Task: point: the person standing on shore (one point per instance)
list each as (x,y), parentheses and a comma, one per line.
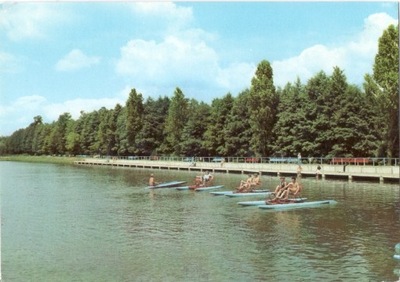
(299,170)
(318,172)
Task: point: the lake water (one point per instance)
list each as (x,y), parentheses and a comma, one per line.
(70,223)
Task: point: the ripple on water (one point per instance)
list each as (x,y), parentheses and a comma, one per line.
(98,224)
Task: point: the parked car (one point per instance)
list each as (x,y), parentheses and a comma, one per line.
(217,159)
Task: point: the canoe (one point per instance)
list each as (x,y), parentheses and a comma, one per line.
(248,194)
(182,188)
(298,205)
(169,184)
(199,188)
(259,203)
(223,193)
(252,203)
(208,188)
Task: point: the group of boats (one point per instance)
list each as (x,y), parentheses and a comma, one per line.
(263,204)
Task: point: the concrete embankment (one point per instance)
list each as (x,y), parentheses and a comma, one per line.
(383,174)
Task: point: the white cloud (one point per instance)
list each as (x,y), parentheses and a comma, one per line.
(8,63)
(20,112)
(308,63)
(28,21)
(74,107)
(182,58)
(185,62)
(22,105)
(236,77)
(354,57)
(175,16)
(169,59)
(75,60)
(26,102)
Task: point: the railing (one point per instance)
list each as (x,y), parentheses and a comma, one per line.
(270,160)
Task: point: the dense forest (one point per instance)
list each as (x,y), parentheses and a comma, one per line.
(327,116)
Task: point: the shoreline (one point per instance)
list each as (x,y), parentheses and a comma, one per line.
(375,174)
(39,159)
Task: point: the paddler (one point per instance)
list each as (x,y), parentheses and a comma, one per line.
(207,178)
(245,184)
(279,190)
(152,181)
(198,181)
(292,188)
(280,186)
(256,180)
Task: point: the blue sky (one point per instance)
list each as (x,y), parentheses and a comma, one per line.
(80,56)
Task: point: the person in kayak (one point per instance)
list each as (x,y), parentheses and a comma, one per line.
(207,178)
(281,186)
(245,184)
(254,182)
(198,181)
(152,181)
(293,187)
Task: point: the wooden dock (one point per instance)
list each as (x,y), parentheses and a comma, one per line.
(382,174)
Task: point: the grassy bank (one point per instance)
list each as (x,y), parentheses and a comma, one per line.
(39,159)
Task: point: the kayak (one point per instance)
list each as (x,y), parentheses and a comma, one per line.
(199,188)
(259,203)
(223,193)
(248,194)
(208,188)
(297,205)
(182,188)
(169,184)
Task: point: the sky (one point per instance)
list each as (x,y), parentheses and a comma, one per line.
(58,57)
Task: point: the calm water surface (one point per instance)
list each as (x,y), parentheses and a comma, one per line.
(67,223)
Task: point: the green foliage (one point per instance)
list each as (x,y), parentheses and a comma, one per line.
(3,146)
(152,134)
(262,106)
(237,131)
(57,139)
(294,129)
(106,139)
(214,136)
(87,129)
(175,123)
(134,119)
(385,74)
(194,130)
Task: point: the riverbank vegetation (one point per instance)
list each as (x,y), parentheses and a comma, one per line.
(39,159)
(327,116)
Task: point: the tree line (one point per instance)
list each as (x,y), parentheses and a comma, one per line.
(327,116)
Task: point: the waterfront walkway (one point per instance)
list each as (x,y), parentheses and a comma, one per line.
(383,174)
